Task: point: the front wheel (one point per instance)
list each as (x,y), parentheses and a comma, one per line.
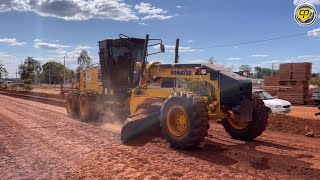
(249,130)
(184,120)
(87,107)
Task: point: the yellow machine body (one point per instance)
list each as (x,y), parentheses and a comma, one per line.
(90,80)
(146,93)
(150,94)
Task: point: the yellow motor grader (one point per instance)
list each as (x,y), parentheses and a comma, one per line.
(151,94)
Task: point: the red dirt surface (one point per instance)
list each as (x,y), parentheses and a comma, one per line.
(294,125)
(300,121)
(306,112)
(40,141)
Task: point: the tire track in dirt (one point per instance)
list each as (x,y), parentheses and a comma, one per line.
(30,150)
(71,149)
(35,116)
(124,169)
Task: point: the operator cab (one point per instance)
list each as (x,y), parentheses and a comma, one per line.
(118,59)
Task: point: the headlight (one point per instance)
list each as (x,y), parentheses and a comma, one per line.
(278,106)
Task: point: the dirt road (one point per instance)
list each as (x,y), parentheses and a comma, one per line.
(39,141)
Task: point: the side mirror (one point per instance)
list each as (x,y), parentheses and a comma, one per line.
(162,48)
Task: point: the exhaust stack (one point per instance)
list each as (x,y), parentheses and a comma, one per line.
(176,58)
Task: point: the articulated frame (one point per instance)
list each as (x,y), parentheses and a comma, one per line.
(145,94)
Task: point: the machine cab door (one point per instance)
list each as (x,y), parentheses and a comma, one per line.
(117,59)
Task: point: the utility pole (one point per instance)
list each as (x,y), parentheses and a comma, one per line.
(64,70)
(16,74)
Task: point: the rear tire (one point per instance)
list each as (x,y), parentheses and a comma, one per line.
(252,129)
(72,105)
(87,107)
(184,120)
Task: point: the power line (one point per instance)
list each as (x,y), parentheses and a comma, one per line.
(256,41)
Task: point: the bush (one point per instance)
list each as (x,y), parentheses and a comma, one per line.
(27,81)
(316,81)
(28,87)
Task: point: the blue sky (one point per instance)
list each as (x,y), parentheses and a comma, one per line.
(49,30)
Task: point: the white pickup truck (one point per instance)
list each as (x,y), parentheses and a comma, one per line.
(277,106)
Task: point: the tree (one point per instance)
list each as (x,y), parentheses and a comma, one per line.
(53,73)
(315,74)
(78,69)
(316,81)
(30,70)
(227,67)
(260,72)
(245,70)
(84,60)
(3,71)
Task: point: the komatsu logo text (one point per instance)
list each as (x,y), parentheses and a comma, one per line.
(183,72)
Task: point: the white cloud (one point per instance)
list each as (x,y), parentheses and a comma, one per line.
(185,49)
(80,47)
(73,54)
(189,41)
(6,58)
(60,52)
(146,8)
(314,33)
(10,62)
(156,16)
(260,55)
(313,58)
(45,45)
(171,48)
(178,6)
(314,2)
(73,9)
(151,12)
(233,58)
(37,40)
(12,41)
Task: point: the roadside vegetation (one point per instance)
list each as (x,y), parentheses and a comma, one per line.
(33,73)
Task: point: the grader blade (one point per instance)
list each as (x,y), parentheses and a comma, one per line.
(141,121)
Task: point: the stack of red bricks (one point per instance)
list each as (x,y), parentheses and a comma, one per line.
(296,76)
(270,84)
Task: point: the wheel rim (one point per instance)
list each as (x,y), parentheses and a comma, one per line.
(83,106)
(237,125)
(177,120)
(69,104)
